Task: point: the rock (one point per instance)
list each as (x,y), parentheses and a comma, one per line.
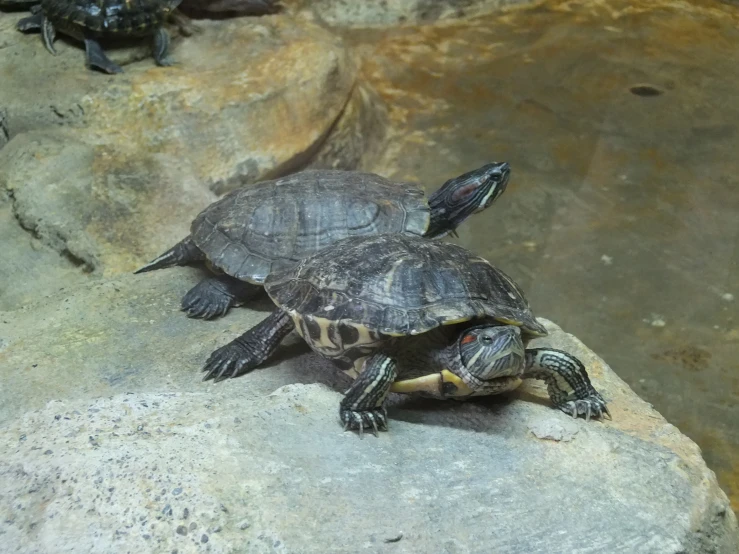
(30,269)
(107,378)
(349,13)
(555,429)
(110,171)
(359,134)
(105,207)
(236,114)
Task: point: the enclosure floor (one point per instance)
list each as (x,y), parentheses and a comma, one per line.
(621,220)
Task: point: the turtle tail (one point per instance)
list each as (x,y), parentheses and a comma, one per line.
(183,253)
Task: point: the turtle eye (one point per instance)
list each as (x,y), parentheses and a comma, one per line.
(486,339)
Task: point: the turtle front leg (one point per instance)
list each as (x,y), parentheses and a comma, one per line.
(96,58)
(33,22)
(246,352)
(161,48)
(363,405)
(567,382)
(214,296)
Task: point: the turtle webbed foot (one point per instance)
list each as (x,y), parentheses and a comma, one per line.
(231,360)
(31,23)
(374,419)
(161,48)
(363,404)
(593,406)
(567,382)
(96,58)
(214,296)
(250,350)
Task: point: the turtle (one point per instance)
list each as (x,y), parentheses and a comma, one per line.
(402,314)
(91,20)
(226,8)
(271,225)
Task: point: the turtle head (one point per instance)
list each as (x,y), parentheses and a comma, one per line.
(465,195)
(489,354)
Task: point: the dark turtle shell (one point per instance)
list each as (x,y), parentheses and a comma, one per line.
(271,225)
(109,17)
(396,285)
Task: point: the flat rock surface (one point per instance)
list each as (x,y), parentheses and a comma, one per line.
(113,443)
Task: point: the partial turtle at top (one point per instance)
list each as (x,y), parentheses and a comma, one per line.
(403,314)
(271,225)
(228,8)
(92,20)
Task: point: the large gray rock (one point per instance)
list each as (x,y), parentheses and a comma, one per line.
(112,444)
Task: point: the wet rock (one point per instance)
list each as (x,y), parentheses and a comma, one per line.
(349,13)
(117,356)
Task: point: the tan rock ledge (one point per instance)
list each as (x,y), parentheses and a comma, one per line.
(112,443)
(109,170)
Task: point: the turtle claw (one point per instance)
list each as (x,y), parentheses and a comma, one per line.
(228,362)
(593,406)
(201,306)
(374,419)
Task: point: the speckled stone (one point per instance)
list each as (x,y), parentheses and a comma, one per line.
(107,380)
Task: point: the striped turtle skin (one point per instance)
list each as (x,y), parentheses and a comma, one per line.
(402,314)
(93,20)
(272,225)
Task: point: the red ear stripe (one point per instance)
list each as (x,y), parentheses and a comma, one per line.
(464,192)
(468,339)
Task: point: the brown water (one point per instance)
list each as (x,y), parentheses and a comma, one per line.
(620,121)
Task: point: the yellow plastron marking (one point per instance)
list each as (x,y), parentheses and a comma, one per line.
(428,383)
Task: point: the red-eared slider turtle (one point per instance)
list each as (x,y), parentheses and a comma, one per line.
(403,314)
(271,225)
(91,20)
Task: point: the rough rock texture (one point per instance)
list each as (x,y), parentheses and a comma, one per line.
(112,443)
(351,13)
(235,113)
(29,269)
(105,206)
(110,170)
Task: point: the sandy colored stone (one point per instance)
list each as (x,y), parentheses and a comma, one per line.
(349,13)
(112,443)
(111,170)
(107,208)
(247,98)
(359,134)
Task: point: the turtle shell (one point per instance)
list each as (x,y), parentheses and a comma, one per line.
(109,17)
(271,225)
(364,290)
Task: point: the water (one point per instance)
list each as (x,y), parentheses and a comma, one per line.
(620,122)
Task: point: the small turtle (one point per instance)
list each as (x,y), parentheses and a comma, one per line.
(91,20)
(402,314)
(271,225)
